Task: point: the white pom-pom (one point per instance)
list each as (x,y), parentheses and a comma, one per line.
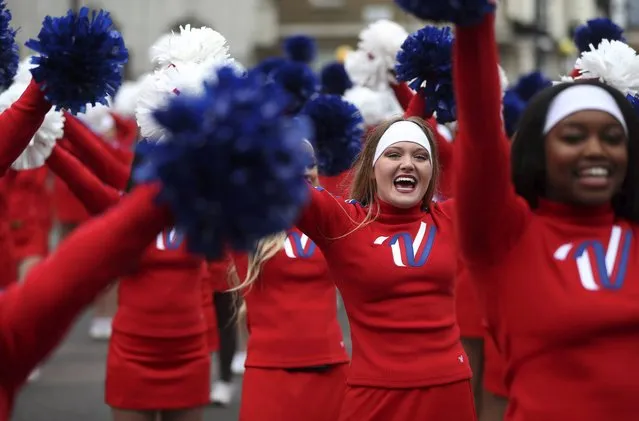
(563,79)
(23,74)
(126,98)
(98,118)
(372,63)
(503,80)
(374,106)
(614,63)
(383,39)
(41,145)
(366,70)
(191,45)
(157,89)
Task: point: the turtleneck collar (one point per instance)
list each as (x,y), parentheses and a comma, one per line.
(594,215)
(388,211)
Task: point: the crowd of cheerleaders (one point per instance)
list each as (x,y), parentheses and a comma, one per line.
(561,338)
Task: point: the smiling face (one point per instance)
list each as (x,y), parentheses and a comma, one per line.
(586,158)
(402,174)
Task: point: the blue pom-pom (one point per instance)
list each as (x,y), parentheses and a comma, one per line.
(425,62)
(334,79)
(298,80)
(81,59)
(634,101)
(460,12)
(338,132)
(237,175)
(300,48)
(9,54)
(528,85)
(513,108)
(267,66)
(595,31)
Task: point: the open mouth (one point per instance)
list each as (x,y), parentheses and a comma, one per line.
(596,176)
(405,183)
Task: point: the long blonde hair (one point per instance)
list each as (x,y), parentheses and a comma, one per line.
(267,247)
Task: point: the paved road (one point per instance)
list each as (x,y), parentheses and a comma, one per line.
(72,383)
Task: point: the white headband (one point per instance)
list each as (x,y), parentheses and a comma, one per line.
(401,131)
(581,98)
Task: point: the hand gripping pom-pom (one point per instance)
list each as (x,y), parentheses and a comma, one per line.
(338,132)
(425,62)
(9,54)
(236,175)
(81,59)
(460,12)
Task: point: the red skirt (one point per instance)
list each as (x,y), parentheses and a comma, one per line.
(449,402)
(281,395)
(494,369)
(145,373)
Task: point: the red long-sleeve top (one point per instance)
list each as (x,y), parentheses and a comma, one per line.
(551,279)
(396,276)
(110,163)
(163,298)
(292,309)
(29,212)
(35,315)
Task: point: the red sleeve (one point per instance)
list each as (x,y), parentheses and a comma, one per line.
(490,216)
(127,130)
(98,157)
(28,210)
(35,315)
(125,156)
(403,94)
(326,218)
(19,123)
(94,195)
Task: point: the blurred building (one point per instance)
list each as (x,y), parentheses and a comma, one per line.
(531,33)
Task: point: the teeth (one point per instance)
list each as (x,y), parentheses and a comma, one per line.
(595,172)
(405,180)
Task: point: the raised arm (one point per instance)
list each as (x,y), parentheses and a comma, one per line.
(490,216)
(35,315)
(95,153)
(94,195)
(326,218)
(19,123)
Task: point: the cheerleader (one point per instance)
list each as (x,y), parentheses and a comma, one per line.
(407,363)
(552,240)
(158,343)
(296,361)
